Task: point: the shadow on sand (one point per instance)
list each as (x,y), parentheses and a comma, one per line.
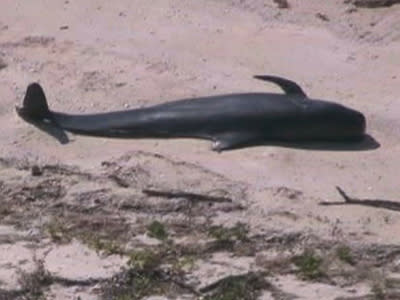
(364,144)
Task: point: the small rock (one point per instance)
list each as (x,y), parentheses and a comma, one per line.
(364,34)
(120,84)
(351,10)
(36,171)
(322,17)
(2,64)
(282,4)
(64,27)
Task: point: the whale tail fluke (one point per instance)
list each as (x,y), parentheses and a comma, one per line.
(34,106)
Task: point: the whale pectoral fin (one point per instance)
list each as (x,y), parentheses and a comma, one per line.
(228,141)
(289,87)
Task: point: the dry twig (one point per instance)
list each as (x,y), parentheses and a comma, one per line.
(190,196)
(387,204)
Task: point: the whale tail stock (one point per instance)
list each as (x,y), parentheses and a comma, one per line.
(34,106)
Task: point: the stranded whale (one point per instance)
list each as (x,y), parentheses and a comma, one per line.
(230,121)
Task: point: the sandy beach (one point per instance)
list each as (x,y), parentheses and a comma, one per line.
(75,218)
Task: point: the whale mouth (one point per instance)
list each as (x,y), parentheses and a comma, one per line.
(356,123)
(362,121)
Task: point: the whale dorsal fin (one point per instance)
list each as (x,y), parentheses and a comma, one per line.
(290,87)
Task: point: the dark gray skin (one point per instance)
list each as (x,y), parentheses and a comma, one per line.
(231,121)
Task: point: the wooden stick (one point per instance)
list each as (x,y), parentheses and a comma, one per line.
(387,204)
(180,194)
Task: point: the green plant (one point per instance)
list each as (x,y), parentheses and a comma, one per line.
(237,232)
(309,265)
(157,230)
(107,247)
(344,254)
(144,260)
(57,231)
